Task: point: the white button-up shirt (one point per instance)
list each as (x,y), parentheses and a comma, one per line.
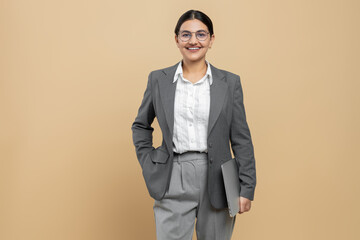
(191,112)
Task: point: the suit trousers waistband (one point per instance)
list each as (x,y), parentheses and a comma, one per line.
(190,156)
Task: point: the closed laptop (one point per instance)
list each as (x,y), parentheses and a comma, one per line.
(230,172)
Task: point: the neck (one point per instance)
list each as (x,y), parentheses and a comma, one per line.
(194,67)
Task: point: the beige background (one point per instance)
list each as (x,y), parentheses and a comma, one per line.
(72,78)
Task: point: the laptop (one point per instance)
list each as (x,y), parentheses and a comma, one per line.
(230,172)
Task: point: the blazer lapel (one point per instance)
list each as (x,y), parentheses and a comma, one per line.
(218,90)
(167,94)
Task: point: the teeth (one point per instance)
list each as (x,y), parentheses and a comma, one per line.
(193,48)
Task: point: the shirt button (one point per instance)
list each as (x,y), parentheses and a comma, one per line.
(190,125)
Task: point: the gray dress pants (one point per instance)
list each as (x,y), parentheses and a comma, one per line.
(186,200)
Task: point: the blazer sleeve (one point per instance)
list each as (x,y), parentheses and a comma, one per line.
(141,127)
(241,144)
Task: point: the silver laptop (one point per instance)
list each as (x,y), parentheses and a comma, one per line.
(230,172)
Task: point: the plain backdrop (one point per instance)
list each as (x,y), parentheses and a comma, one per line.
(73,74)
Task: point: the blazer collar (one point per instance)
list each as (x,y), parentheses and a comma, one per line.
(167,87)
(179,71)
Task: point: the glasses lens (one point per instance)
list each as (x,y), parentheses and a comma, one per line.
(185,35)
(201,35)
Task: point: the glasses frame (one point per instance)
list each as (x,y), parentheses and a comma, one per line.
(207,33)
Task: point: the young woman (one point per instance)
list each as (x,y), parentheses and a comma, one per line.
(201,114)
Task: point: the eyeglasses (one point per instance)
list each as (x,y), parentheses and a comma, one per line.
(201,35)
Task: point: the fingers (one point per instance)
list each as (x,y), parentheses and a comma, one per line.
(244,208)
(244,205)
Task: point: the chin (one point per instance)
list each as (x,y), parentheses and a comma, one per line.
(195,59)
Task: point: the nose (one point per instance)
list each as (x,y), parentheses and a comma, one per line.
(193,39)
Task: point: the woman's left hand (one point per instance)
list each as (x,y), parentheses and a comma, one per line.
(244,205)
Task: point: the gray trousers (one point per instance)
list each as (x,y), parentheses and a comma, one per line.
(187,199)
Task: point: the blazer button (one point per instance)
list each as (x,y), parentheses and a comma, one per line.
(211,160)
(210,145)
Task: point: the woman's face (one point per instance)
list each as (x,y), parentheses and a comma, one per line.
(190,55)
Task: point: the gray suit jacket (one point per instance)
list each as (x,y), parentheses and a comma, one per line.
(227,126)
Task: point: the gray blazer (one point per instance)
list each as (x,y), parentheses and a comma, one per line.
(227,127)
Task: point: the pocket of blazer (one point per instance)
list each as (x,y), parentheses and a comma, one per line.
(159,155)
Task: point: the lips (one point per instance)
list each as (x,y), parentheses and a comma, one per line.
(193,49)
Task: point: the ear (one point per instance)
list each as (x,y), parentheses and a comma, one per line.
(176,41)
(212,40)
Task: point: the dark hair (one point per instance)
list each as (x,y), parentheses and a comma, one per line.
(194,14)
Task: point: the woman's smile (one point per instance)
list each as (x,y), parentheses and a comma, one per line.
(193,49)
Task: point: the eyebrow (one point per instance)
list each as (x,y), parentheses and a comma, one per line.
(190,31)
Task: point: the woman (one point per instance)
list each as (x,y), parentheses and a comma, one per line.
(200,112)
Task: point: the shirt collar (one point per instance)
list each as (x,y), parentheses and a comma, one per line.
(179,70)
